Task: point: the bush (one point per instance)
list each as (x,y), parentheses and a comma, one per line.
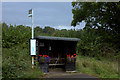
(17,64)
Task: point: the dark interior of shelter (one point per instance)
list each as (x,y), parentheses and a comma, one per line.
(57,48)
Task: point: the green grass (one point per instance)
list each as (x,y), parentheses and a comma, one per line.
(101,69)
(16,63)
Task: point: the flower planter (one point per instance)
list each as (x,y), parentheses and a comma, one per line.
(44,67)
(44,63)
(70,66)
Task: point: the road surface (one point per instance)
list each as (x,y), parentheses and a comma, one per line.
(62,74)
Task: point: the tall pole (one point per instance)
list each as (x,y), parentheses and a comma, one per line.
(32,38)
(32,26)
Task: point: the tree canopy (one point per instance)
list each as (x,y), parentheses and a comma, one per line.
(102,16)
(105,15)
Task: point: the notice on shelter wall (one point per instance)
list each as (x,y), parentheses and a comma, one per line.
(42,44)
(33,47)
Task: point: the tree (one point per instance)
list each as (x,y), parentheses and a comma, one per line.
(38,30)
(14,35)
(100,37)
(48,30)
(103,17)
(105,14)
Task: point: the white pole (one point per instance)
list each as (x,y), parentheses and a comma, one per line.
(32,38)
(32,62)
(32,26)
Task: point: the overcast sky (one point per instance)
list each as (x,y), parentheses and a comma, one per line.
(54,14)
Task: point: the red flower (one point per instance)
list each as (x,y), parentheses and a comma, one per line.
(47,56)
(74,54)
(68,55)
(71,56)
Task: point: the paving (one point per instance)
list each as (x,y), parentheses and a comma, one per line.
(59,73)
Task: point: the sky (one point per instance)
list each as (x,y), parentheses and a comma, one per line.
(54,14)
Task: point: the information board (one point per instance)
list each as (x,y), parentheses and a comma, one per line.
(33,47)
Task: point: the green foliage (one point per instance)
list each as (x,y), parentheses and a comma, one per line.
(100,16)
(106,14)
(101,69)
(102,30)
(16,63)
(12,36)
(94,45)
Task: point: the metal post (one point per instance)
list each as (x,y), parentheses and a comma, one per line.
(32,26)
(32,62)
(32,38)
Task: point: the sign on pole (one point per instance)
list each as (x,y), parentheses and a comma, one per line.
(30,13)
(33,47)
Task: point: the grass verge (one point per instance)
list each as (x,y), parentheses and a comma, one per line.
(101,69)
